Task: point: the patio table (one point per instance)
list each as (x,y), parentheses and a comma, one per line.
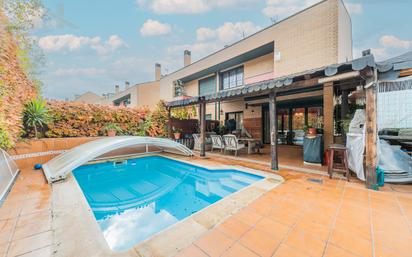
(250,142)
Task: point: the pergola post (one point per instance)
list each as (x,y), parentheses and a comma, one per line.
(345,104)
(371,135)
(328,109)
(169,122)
(202,117)
(273,131)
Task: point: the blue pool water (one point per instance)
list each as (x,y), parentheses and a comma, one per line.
(136,199)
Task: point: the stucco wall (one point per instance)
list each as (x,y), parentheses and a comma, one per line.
(148,94)
(89,98)
(141,95)
(259,69)
(305,41)
(345,50)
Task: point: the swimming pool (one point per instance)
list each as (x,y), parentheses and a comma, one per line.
(135,199)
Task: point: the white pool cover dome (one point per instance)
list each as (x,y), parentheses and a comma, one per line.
(8,172)
(58,168)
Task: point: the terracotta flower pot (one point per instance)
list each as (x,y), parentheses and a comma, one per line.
(312,131)
(177,136)
(111,133)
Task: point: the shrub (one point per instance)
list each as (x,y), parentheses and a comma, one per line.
(184,113)
(69,119)
(35,115)
(157,121)
(5,141)
(112,126)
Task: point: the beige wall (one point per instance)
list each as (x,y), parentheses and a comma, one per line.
(141,95)
(307,40)
(148,94)
(345,51)
(133,96)
(252,69)
(89,98)
(258,68)
(192,88)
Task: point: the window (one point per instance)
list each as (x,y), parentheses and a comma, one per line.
(207,86)
(234,121)
(232,78)
(178,90)
(123,101)
(208,116)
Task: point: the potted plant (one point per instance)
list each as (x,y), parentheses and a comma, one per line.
(112,129)
(310,131)
(177,132)
(35,115)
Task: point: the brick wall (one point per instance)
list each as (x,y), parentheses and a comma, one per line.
(254,127)
(30,152)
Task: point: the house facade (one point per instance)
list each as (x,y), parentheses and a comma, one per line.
(318,36)
(89,98)
(140,95)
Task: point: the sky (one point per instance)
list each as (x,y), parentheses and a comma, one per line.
(94,45)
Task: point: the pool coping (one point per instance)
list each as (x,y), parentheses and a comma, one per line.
(69,206)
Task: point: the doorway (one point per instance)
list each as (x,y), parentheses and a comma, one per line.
(292,123)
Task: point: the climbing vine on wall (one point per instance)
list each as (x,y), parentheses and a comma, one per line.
(16,87)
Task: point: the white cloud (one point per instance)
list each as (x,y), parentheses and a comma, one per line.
(228,33)
(71,42)
(395,42)
(199,49)
(155,28)
(389,46)
(280,9)
(112,44)
(54,43)
(203,34)
(179,6)
(191,6)
(88,72)
(354,8)
(209,40)
(380,53)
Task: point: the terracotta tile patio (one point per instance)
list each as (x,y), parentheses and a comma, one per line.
(298,218)
(289,156)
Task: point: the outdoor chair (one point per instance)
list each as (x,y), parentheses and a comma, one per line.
(232,144)
(217,142)
(208,143)
(256,145)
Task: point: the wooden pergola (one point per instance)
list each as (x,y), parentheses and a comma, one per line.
(321,81)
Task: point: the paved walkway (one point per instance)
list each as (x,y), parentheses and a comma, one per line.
(308,215)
